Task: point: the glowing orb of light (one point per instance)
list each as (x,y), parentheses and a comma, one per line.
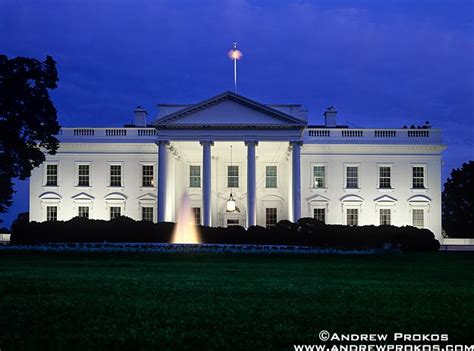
(235,54)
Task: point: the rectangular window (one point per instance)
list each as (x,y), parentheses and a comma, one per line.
(271,176)
(418,177)
(319,214)
(385,216)
(83,175)
(51,213)
(319,177)
(385,175)
(197,215)
(352,177)
(270,217)
(83,211)
(418,217)
(115,175)
(352,216)
(232,176)
(147,176)
(147,214)
(51,175)
(115,212)
(194,176)
(231,222)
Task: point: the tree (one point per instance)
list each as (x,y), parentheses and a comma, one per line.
(458,202)
(28,120)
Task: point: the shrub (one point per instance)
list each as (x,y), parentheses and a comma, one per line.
(306,232)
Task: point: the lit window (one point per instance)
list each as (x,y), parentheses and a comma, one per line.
(352,177)
(271,177)
(418,177)
(83,175)
(319,214)
(147,214)
(194,176)
(352,216)
(147,176)
(115,212)
(418,217)
(270,217)
(115,175)
(319,177)
(385,177)
(51,213)
(197,215)
(51,175)
(232,176)
(83,211)
(385,216)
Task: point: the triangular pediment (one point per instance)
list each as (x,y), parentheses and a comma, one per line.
(385,198)
(147,197)
(229,110)
(82,197)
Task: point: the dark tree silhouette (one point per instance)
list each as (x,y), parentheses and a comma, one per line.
(28,120)
(458,202)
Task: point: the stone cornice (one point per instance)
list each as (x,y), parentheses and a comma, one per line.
(309,149)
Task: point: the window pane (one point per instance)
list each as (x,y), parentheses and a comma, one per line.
(115,212)
(147,176)
(231,222)
(83,211)
(271,177)
(194,176)
(319,176)
(418,177)
(385,216)
(115,175)
(418,218)
(51,213)
(352,216)
(385,177)
(83,175)
(232,176)
(197,215)
(352,177)
(51,175)
(147,214)
(270,217)
(319,214)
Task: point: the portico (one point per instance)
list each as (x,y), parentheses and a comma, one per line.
(253,130)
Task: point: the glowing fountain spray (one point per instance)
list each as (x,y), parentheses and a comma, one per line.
(185,231)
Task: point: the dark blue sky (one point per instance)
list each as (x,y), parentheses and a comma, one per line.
(381,63)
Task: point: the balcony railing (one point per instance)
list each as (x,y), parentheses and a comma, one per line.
(370,135)
(108,132)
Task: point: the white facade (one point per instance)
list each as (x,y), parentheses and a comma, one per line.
(281,169)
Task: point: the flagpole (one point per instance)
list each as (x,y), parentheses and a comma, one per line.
(235,55)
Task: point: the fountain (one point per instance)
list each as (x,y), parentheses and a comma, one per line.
(185,231)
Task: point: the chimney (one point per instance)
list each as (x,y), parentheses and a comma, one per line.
(140,117)
(330,117)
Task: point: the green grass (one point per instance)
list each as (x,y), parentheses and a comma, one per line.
(186,302)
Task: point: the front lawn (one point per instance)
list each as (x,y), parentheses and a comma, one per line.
(227,302)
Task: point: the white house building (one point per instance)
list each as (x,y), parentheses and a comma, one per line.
(274,164)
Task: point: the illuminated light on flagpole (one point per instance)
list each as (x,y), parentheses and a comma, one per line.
(235,55)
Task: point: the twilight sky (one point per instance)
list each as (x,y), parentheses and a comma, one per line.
(381,63)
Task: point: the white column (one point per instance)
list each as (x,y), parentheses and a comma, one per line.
(296,179)
(206,182)
(162,163)
(251,183)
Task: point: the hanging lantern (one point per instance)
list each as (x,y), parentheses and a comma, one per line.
(230,204)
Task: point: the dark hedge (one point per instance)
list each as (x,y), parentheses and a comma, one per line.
(307,232)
